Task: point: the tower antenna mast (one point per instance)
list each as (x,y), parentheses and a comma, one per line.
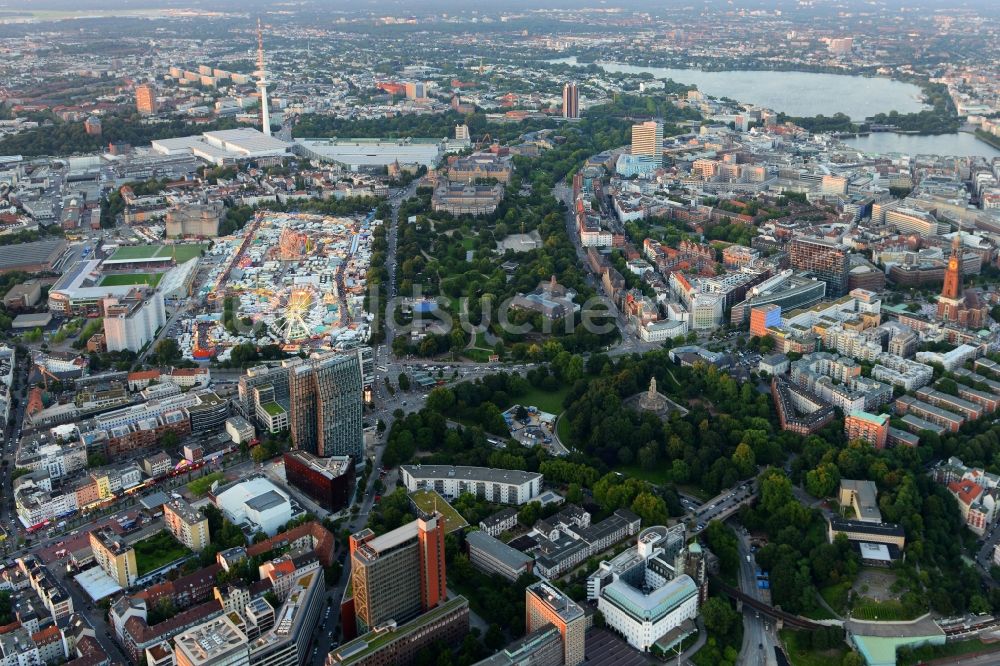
(265,113)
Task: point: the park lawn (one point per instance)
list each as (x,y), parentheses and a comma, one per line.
(800,654)
(547,401)
(659,475)
(201,485)
(122,279)
(477,355)
(836,596)
(156,551)
(950,649)
(429,500)
(886,611)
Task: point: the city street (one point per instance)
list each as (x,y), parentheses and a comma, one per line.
(759,637)
(630,343)
(18,392)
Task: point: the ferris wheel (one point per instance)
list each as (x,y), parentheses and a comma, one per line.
(293,310)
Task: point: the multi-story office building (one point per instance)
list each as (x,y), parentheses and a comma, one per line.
(500,486)
(187,524)
(210,414)
(493,556)
(287,642)
(115,556)
(828,261)
(545,604)
(259,616)
(131,322)
(263,390)
(542,647)
(571,100)
(645,592)
(706,310)
(329,481)
(914,221)
(400,644)
(398,575)
(647,139)
(787,290)
(145,99)
(326,402)
(217,642)
(764,317)
(135,414)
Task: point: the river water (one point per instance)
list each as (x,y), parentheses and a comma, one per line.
(812,94)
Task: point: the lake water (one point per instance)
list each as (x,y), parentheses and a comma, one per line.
(811,94)
(959,144)
(794,93)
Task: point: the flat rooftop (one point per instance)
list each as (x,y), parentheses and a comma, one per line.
(331,468)
(462,473)
(497,549)
(556,600)
(356,650)
(13,257)
(866,497)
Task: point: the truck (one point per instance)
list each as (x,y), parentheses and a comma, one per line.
(748,559)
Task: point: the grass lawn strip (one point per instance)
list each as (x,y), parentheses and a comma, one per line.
(156,551)
(201,485)
(547,401)
(429,500)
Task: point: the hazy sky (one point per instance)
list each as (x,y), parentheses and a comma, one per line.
(425,6)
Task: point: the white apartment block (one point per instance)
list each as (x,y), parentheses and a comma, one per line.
(501,486)
(132,324)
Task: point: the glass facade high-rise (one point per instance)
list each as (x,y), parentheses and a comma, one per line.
(326,404)
(826,260)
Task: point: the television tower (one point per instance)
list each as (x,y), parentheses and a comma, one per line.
(265,113)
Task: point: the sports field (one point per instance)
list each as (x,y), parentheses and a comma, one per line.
(136,252)
(123,279)
(183,252)
(428,500)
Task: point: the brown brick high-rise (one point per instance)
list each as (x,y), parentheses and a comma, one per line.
(398,575)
